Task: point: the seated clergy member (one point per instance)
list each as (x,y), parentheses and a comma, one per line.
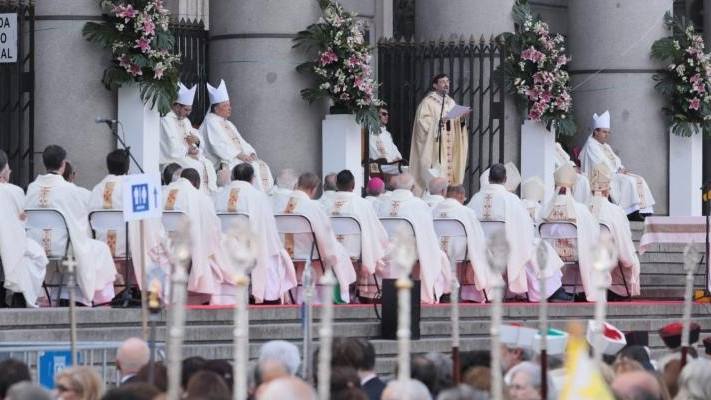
(532,193)
(436,190)
(108,195)
(224,144)
(627,190)
(285,184)
(175,127)
(581,191)
(23,260)
(95,268)
(614,217)
(195,159)
(563,208)
(371,246)
(434,265)
(477,272)
(211,274)
(274,273)
(381,145)
(333,254)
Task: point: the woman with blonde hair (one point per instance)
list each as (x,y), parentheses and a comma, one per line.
(79,383)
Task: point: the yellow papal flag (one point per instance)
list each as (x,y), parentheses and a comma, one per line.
(583,380)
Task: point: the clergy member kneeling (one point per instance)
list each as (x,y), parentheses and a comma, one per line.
(274,274)
(613,216)
(332,253)
(23,260)
(434,268)
(564,209)
(211,275)
(371,245)
(224,144)
(628,190)
(95,270)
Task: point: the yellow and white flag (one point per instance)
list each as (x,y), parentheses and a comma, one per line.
(583,380)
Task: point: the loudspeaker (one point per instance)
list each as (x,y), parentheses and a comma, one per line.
(388,324)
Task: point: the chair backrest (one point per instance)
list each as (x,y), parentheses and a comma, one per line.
(393,225)
(173,220)
(492,226)
(48,227)
(450,228)
(563,236)
(101,220)
(298,224)
(231,219)
(345,225)
(293,223)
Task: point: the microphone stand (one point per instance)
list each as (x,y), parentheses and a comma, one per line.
(706,190)
(439,129)
(114,132)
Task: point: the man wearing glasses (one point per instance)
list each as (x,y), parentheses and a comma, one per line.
(381,145)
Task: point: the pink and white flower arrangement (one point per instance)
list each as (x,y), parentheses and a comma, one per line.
(686,80)
(535,71)
(137,32)
(340,65)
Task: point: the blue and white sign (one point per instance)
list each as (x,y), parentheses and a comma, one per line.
(8,38)
(141,197)
(52,363)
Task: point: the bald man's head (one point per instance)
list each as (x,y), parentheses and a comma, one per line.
(132,355)
(636,385)
(437,186)
(287,388)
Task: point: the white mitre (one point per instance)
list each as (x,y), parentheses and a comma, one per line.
(186,96)
(533,189)
(601,121)
(218,94)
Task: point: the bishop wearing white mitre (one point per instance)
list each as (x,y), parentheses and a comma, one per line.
(332,253)
(23,260)
(613,216)
(108,195)
(274,274)
(371,246)
(563,208)
(581,191)
(95,270)
(224,144)
(211,273)
(180,142)
(628,190)
(435,271)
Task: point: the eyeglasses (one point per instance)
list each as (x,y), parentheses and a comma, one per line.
(62,388)
(384,113)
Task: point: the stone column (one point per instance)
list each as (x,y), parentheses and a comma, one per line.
(69,93)
(610,42)
(250,48)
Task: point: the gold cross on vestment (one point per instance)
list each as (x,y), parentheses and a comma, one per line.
(70,262)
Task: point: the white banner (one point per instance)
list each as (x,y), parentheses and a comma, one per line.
(8,38)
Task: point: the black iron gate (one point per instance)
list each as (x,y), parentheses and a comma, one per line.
(405,71)
(191,42)
(17,96)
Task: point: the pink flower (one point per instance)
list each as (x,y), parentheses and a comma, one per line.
(149,28)
(144,44)
(328,57)
(562,60)
(135,70)
(532,54)
(124,61)
(158,70)
(545,97)
(534,115)
(695,78)
(126,12)
(694,103)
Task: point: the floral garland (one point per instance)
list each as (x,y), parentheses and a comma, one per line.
(341,66)
(686,81)
(137,33)
(535,71)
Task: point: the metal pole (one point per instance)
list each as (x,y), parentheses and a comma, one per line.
(70,263)
(404,285)
(179,278)
(328,281)
(144,284)
(497,384)
(454,296)
(542,259)
(691,259)
(308,285)
(241,338)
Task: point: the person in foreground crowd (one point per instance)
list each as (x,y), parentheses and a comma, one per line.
(628,190)
(614,219)
(434,269)
(95,266)
(274,274)
(131,356)
(24,263)
(224,144)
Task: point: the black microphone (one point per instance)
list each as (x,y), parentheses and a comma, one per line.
(100,120)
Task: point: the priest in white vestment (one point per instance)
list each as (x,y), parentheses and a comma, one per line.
(436,190)
(375,191)
(476,271)
(581,191)
(211,273)
(95,270)
(108,195)
(381,145)
(24,262)
(435,272)
(284,185)
(613,216)
(532,194)
(329,186)
(333,254)
(564,208)
(223,142)
(274,274)
(372,245)
(628,190)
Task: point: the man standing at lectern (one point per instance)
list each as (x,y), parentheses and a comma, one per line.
(431,157)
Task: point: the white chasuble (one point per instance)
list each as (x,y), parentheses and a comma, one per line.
(274,273)
(95,268)
(24,262)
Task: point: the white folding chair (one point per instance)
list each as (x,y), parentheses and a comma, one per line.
(173,221)
(112,220)
(393,225)
(348,226)
(447,229)
(563,236)
(607,231)
(492,226)
(48,227)
(228,220)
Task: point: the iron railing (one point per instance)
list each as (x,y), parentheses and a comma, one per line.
(191,42)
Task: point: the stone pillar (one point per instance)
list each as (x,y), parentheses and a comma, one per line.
(610,42)
(250,48)
(69,93)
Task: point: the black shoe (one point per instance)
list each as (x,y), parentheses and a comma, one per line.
(445,298)
(635,216)
(612,296)
(561,296)
(65,303)
(269,302)
(18,301)
(580,297)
